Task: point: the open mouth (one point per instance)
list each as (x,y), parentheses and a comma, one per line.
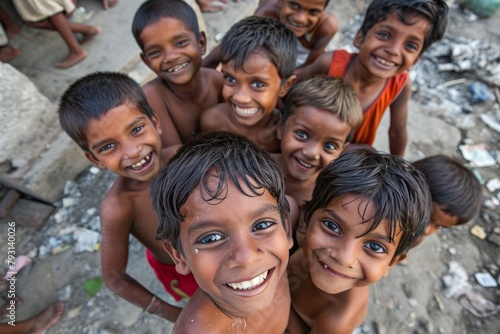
(334,272)
(250,284)
(139,165)
(385,62)
(297,25)
(245,111)
(177,67)
(303,163)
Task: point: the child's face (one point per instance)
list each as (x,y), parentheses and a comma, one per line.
(301,16)
(338,255)
(236,248)
(311,139)
(391,47)
(126,142)
(440,219)
(172,51)
(252,92)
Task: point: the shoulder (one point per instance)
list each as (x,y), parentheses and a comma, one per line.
(214,117)
(328,26)
(153,86)
(117,205)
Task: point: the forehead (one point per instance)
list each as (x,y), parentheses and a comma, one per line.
(167,26)
(412,23)
(308,4)
(323,122)
(442,218)
(257,62)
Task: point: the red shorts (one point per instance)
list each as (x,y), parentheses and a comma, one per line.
(177,285)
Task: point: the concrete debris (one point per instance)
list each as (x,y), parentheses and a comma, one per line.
(94,170)
(492,121)
(456,281)
(477,154)
(478,232)
(493,185)
(86,240)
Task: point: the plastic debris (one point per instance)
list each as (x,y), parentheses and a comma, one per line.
(94,170)
(455,282)
(480,92)
(478,232)
(86,240)
(493,184)
(92,286)
(491,121)
(478,305)
(478,154)
(19,263)
(486,280)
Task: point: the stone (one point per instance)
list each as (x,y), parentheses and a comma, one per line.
(478,232)
(30,213)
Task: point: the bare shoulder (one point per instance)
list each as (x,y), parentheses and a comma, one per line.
(328,26)
(117,205)
(267,8)
(153,87)
(211,74)
(214,118)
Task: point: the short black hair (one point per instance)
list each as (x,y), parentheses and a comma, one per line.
(92,96)
(227,156)
(434,11)
(152,11)
(453,186)
(397,190)
(254,34)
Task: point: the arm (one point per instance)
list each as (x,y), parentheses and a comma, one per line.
(398,135)
(169,135)
(212,59)
(116,219)
(210,118)
(326,30)
(320,66)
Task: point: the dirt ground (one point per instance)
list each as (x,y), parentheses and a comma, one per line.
(412,299)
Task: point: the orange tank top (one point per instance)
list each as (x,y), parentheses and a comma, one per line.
(365,134)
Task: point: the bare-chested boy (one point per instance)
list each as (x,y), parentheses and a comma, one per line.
(224,218)
(172,45)
(258,58)
(108,116)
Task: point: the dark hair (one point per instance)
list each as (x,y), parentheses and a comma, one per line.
(333,95)
(453,186)
(254,34)
(397,190)
(152,11)
(434,11)
(227,156)
(92,96)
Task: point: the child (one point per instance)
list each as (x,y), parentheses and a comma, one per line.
(456,192)
(258,56)
(391,40)
(172,46)
(51,15)
(223,214)
(318,117)
(108,116)
(366,211)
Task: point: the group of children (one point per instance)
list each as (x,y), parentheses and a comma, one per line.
(264,221)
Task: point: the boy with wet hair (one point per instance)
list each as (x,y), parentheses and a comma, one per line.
(366,211)
(223,217)
(392,39)
(456,192)
(318,116)
(258,58)
(172,46)
(108,116)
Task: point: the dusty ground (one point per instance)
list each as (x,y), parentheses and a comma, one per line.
(411,300)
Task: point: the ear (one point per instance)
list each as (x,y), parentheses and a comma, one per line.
(285,87)
(279,127)
(289,232)
(358,39)
(156,123)
(145,60)
(92,158)
(202,43)
(180,262)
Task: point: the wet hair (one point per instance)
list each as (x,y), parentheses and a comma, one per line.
(254,34)
(92,96)
(397,190)
(434,11)
(333,95)
(453,186)
(153,11)
(226,156)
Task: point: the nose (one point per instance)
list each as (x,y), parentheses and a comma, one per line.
(170,55)
(394,48)
(131,150)
(240,95)
(301,17)
(243,252)
(311,151)
(346,254)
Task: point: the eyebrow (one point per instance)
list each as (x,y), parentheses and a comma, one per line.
(312,130)
(128,127)
(370,234)
(206,224)
(412,36)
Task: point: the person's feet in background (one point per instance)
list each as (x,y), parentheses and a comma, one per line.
(107,4)
(208,6)
(37,324)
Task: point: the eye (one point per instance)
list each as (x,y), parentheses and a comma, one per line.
(293,5)
(302,135)
(412,46)
(182,43)
(229,79)
(330,146)
(330,225)
(383,35)
(314,12)
(153,54)
(137,129)
(375,247)
(106,147)
(257,84)
(209,238)
(262,225)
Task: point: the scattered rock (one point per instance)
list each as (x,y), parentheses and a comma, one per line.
(478,232)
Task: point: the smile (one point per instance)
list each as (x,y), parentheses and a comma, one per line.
(303,163)
(295,24)
(251,284)
(385,62)
(334,272)
(178,67)
(138,165)
(245,111)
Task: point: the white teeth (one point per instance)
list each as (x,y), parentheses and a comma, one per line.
(139,164)
(385,62)
(251,284)
(177,68)
(324,265)
(247,111)
(295,24)
(303,163)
